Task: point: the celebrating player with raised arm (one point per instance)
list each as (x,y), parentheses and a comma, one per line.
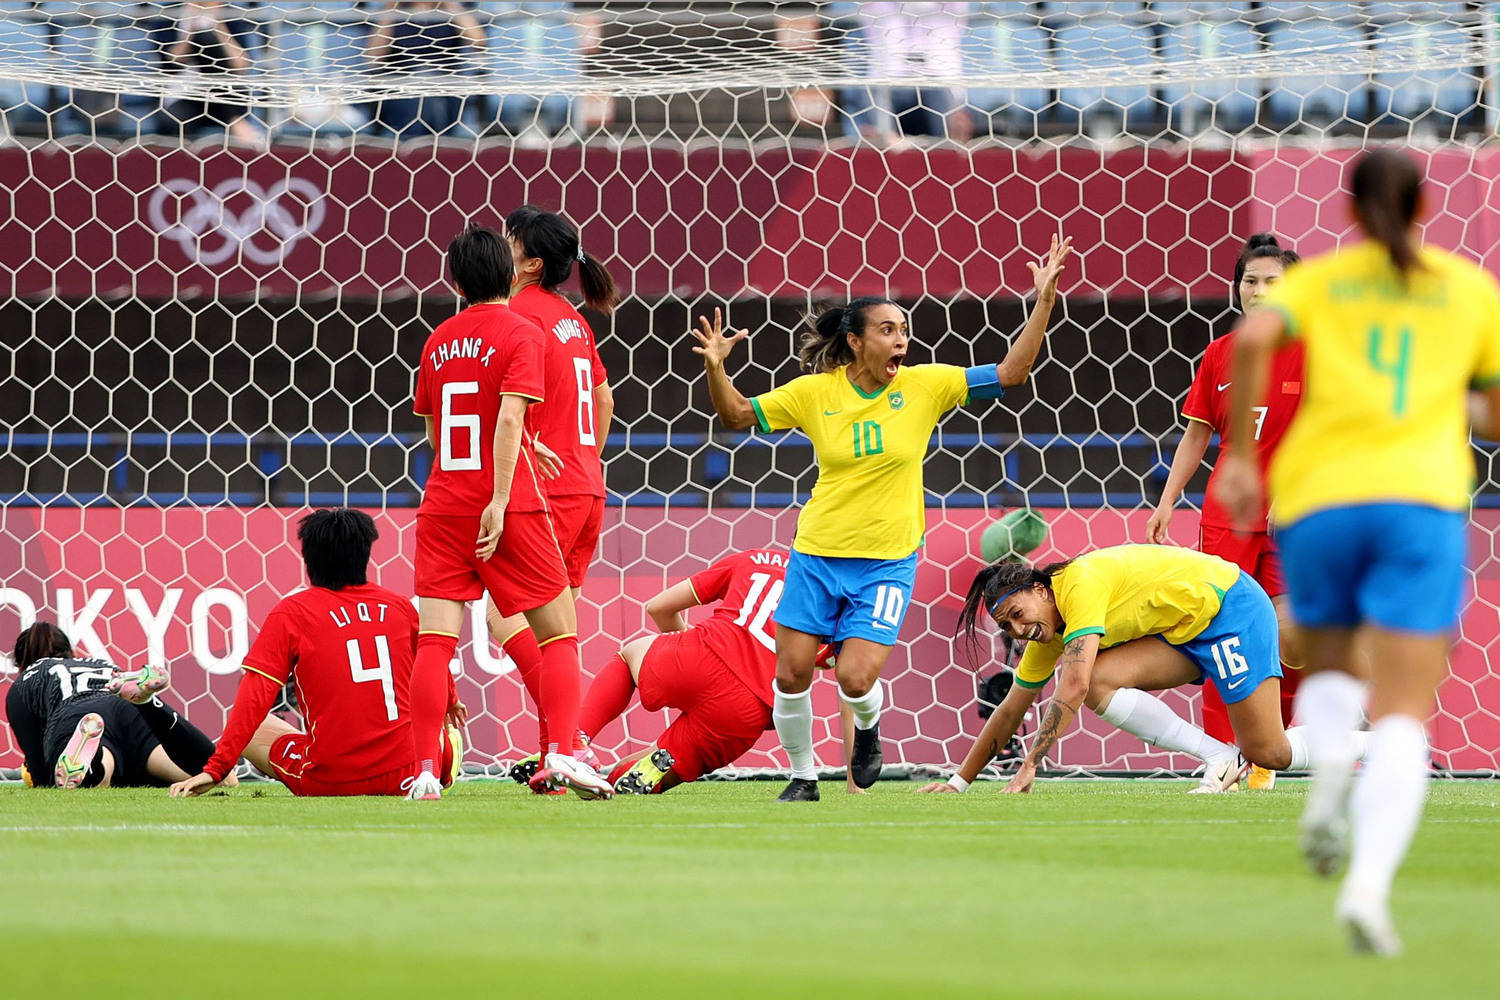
(483,523)
(1117,622)
(1260,266)
(347,644)
(1371,491)
(571,423)
(855,556)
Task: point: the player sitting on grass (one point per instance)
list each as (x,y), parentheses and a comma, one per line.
(1118,622)
(348,646)
(718,673)
(69,722)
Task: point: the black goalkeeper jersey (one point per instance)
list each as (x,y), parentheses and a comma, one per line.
(35,695)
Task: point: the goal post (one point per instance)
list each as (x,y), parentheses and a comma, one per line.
(213,328)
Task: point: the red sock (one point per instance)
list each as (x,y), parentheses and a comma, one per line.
(429,696)
(560,691)
(522,648)
(1216,716)
(607,697)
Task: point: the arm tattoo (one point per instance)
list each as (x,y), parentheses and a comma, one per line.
(1059,714)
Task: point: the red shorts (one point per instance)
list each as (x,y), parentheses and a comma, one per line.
(290,762)
(577,518)
(525,572)
(1254,553)
(721,717)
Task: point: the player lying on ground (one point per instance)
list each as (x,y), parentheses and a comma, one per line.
(1260,266)
(347,644)
(1371,492)
(483,524)
(570,425)
(717,673)
(870,419)
(71,723)
(1118,622)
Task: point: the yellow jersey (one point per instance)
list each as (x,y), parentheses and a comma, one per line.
(868,501)
(1384,407)
(1126,592)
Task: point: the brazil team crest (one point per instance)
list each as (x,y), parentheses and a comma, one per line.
(897,400)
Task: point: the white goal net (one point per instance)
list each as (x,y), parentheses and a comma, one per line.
(221,249)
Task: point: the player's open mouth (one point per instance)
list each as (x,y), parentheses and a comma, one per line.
(1035,633)
(894,365)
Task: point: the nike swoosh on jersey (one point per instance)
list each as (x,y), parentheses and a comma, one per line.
(1226,385)
(832,413)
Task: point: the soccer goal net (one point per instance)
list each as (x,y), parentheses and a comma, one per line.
(221,250)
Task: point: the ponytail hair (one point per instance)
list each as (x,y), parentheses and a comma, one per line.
(1386,188)
(825,343)
(40,641)
(1258,247)
(556,242)
(994,582)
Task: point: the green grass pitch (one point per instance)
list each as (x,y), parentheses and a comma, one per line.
(1082,889)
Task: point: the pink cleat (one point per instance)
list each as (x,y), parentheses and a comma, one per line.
(138,686)
(78,756)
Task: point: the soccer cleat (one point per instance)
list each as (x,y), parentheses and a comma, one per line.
(866,761)
(1260,779)
(1368,922)
(523,770)
(138,686)
(647,773)
(456,765)
(78,756)
(584,751)
(1323,831)
(563,771)
(425,787)
(1221,775)
(800,790)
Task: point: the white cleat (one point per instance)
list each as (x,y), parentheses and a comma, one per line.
(424,788)
(1221,775)
(563,771)
(1323,831)
(1368,921)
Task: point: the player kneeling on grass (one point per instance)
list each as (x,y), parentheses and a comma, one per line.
(718,673)
(348,645)
(88,723)
(1118,622)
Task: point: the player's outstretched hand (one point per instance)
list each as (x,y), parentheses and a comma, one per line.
(936,786)
(713,344)
(458,714)
(188,787)
(1022,782)
(547,460)
(1045,274)
(1237,486)
(1156,528)
(491,523)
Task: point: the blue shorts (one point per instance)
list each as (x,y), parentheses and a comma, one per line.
(1242,645)
(837,599)
(1395,565)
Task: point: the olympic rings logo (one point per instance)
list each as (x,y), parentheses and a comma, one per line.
(265,232)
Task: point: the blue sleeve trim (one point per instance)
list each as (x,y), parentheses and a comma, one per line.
(984,382)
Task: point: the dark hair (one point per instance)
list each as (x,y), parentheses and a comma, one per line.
(994,580)
(39,641)
(479,264)
(336,546)
(825,344)
(554,241)
(1258,247)
(1386,186)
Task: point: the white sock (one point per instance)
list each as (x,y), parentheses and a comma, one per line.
(1149,718)
(792,714)
(1329,703)
(1387,804)
(1302,759)
(866,708)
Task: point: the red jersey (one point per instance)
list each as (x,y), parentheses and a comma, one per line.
(1208,402)
(469,362)
(564,421)
(349,652)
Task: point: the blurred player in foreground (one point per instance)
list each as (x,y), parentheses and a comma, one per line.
(1118,622)
(86,722)
(717,673)
(347,644)
(1371,492)
(1260,266)
(853,563)
(483,524)
(570,425)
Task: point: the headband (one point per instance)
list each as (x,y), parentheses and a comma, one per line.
(995,607)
